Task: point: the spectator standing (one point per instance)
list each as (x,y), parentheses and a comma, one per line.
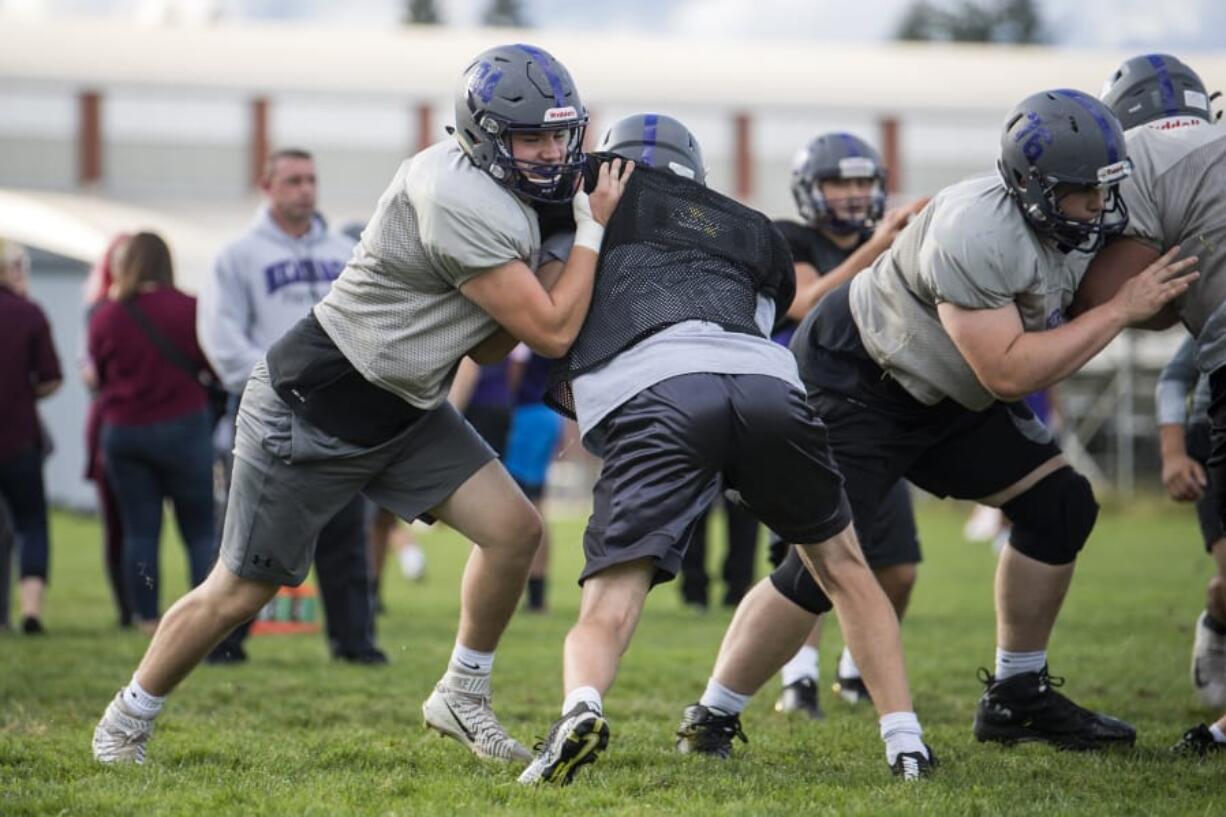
(29,371)
(156,432)
(262,284)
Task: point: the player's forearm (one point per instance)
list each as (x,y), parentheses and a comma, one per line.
(1172,441)
(570,297)
(861,259)
(1038,360)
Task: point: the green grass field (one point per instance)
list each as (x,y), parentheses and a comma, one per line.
(293,733)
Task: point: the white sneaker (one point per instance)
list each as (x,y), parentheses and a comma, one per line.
(412,561)
(1209,665)
(120,736)
(574,740)
(460,707)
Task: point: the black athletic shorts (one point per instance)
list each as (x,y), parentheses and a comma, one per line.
(879,433)
(667,447)
(1197,437)
(1215,465)
(894,540)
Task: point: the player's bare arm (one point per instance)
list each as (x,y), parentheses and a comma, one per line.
(1011,362)
(811,287)
(548,320)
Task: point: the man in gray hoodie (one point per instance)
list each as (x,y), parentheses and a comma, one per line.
(262,284)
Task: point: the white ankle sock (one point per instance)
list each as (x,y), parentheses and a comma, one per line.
(802,665)
(901,732)
(1009,663)
(847,665)
(472,661)
(718,696)
(583,695)
(141,703)
(1217,733)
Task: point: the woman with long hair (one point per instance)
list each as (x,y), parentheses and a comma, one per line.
(156,434)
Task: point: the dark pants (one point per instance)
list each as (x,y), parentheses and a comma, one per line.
(21,485)
(342,565)
(738,563)
(112,549)
(8,551)
(146,465)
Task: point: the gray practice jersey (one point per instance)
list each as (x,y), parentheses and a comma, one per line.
(1177,195)
(970,247)
(397,312)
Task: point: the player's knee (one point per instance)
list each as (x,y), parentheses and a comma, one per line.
(898,581)
(532,530)
(1053,520)
(1217,588)
(520,535)
(796,584)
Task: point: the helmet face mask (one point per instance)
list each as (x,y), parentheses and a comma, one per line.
(842,157)
(539,181)
(521,89)
(1067,138)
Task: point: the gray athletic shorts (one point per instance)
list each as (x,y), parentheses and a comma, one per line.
(290,478)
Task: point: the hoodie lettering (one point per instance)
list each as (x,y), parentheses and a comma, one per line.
(301,271)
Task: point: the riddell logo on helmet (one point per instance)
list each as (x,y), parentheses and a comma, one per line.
(1110,174)
(1177,122)
(560,114)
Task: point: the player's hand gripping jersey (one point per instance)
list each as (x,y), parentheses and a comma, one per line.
(674,252)
(970,247)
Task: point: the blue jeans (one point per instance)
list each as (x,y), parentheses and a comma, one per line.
(21,486)
(146,465)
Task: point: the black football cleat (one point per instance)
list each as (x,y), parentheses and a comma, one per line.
(708,731)
(851,688)
(1198,741)
(914,765)
(800,697)
(1026,707)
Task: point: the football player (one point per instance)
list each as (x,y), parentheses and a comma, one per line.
(1176,201)
(918,367)
(352,399)
(838,182)
(676,384)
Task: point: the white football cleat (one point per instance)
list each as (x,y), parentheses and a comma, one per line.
(1209,665)
(460,707)
(120,736)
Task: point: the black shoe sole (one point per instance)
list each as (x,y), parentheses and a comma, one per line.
(1011,735)
(583,745)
